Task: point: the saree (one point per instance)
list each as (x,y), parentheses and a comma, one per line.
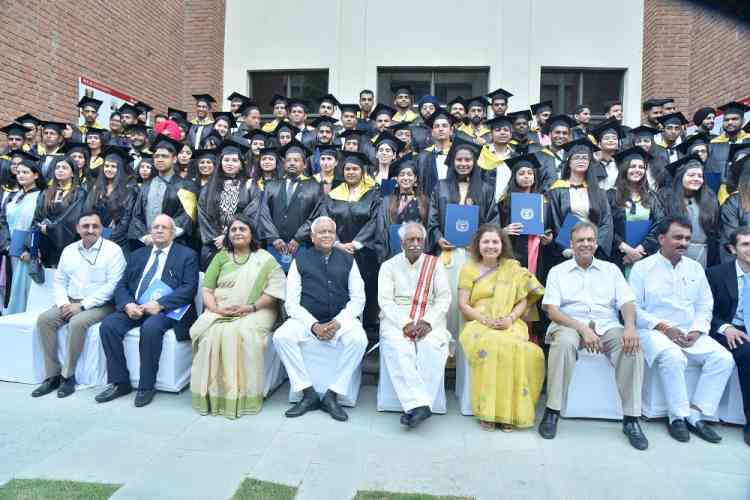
(227,376)
(507,370)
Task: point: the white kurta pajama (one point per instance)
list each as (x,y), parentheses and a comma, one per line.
(416,367)
(288,338)
(681,297)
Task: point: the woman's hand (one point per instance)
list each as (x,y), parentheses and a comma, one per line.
(503,323)
(513,229)
(546,238)
(445,244)
(219,242)
(25,257)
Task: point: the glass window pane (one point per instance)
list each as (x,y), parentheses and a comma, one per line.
(601,86)
(264,85)
(418,80)
(307,85)
(450,84)
(560,87)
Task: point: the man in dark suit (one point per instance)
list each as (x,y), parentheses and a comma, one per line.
(177,267)
(730,286)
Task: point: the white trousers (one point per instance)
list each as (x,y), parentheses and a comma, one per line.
(416,369)
(670,362)
(347,349)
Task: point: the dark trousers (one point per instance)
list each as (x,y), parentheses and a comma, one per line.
(112,332)
(742,359)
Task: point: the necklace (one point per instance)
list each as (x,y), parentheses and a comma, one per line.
(234,259)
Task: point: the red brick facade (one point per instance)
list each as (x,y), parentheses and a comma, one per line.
(157,52)
(694,54)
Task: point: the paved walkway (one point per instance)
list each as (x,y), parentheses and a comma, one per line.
(167,451)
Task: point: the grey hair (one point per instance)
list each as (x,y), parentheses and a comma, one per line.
(322,218)
(584,224)
(405,227)
(172,225)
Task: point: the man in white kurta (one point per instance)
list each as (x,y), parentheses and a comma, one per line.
(674,308)
(414,298)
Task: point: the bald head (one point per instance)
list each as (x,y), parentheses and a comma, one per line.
(163,231)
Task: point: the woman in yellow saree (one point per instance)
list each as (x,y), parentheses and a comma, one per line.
(507,370)
(240,291)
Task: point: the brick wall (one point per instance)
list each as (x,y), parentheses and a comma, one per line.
(157,52)
(694,54)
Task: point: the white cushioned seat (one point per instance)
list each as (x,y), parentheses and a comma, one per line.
(317,357)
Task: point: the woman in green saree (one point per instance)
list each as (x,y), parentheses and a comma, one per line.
(241,290)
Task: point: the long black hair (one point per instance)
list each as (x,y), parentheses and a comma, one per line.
(623,192)
(115,202)
(597,196)
(704,197)
(216,184)
(475,178)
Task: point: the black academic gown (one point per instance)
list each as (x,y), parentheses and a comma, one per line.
(197,133)
(410,213)
(551,167)
(718,153)
(172,205)
(115,218)
(732,216)
(650,243)
(288,221)
(656,166)
(421,135)
(61,220)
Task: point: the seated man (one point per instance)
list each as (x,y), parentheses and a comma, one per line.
(414,297)
(84,282)
(175,266)
(730,287)
(582,298)
(674,317)
(325,295)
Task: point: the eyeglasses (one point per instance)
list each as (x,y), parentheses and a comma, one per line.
(579,157)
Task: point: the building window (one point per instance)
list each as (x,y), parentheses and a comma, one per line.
(567,88)
(308,85)
(443,83)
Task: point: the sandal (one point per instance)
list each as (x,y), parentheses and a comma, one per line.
(487,426)
(506,427)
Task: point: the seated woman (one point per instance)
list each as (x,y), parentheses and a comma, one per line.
(57,212)
(111,197)
(631,200)
(507,370)
(16,214)
(241,289)
(407,203)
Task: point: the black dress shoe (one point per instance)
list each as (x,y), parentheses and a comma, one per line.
(548,425)
(309,402)
(704,431)
(330,405)
(419,415)
(114,391)
(746,433)
(49,385)
(67,388)
(678,430)
(405,418)
(633,431)
(144,397)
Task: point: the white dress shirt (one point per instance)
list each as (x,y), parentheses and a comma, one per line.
(89,275)
(595,294)
(345,317)
(159,268)
(677,295)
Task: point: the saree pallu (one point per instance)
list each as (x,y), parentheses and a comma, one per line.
(507,371)
(228,352)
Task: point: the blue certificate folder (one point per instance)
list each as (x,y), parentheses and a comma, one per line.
(158,289)
(636,231)
(461,222)
(17,242)
(107,233)
(563,237)
(284,260)
(527,209)
(713,180)
(387,186)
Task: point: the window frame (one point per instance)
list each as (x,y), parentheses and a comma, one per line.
(433,71)
(596,115)
(286,72)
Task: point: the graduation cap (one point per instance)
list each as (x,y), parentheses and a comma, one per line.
(257,135)
(14,129)
(207,98)
(279,98)
(356,158)
(381,109)
(352,135)
(294,146)
(440,113)
(477,101)
(635,152)
(329,98)
(232,147)
(395,127)
(541,107)
(199,154)
(583,143)
(56,126)
(651,103)
(269,152)
(689,161)
(686,146)
(173,113)
(72,147)
(519,114)
(556,121)
(323,121)
(401,89)
(96,131)
(610,125)
(90,102)
(226,116)
(27,157)
(500,94)
(236,96)
(665,100)
(143,107)
(163,141)
(136,128)
(28,118)
(327,150)
(248,106)
(673,118)
(351,108)
(118,154)
(457,100)
(737,149)
(459,145)
(282,126)
(402,164)
(129,109)
(499,121)
(390,139)
(644,131)
(734,108)
(297,102)
(524,161)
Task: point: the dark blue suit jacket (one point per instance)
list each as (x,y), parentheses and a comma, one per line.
(180,273)
(723,282)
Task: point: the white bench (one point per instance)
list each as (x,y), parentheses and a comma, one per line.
(317,356)
(388,399)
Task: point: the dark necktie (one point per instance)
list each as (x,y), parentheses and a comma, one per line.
(150,273)
(290,191)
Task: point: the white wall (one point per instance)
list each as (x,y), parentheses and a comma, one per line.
(513,38)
